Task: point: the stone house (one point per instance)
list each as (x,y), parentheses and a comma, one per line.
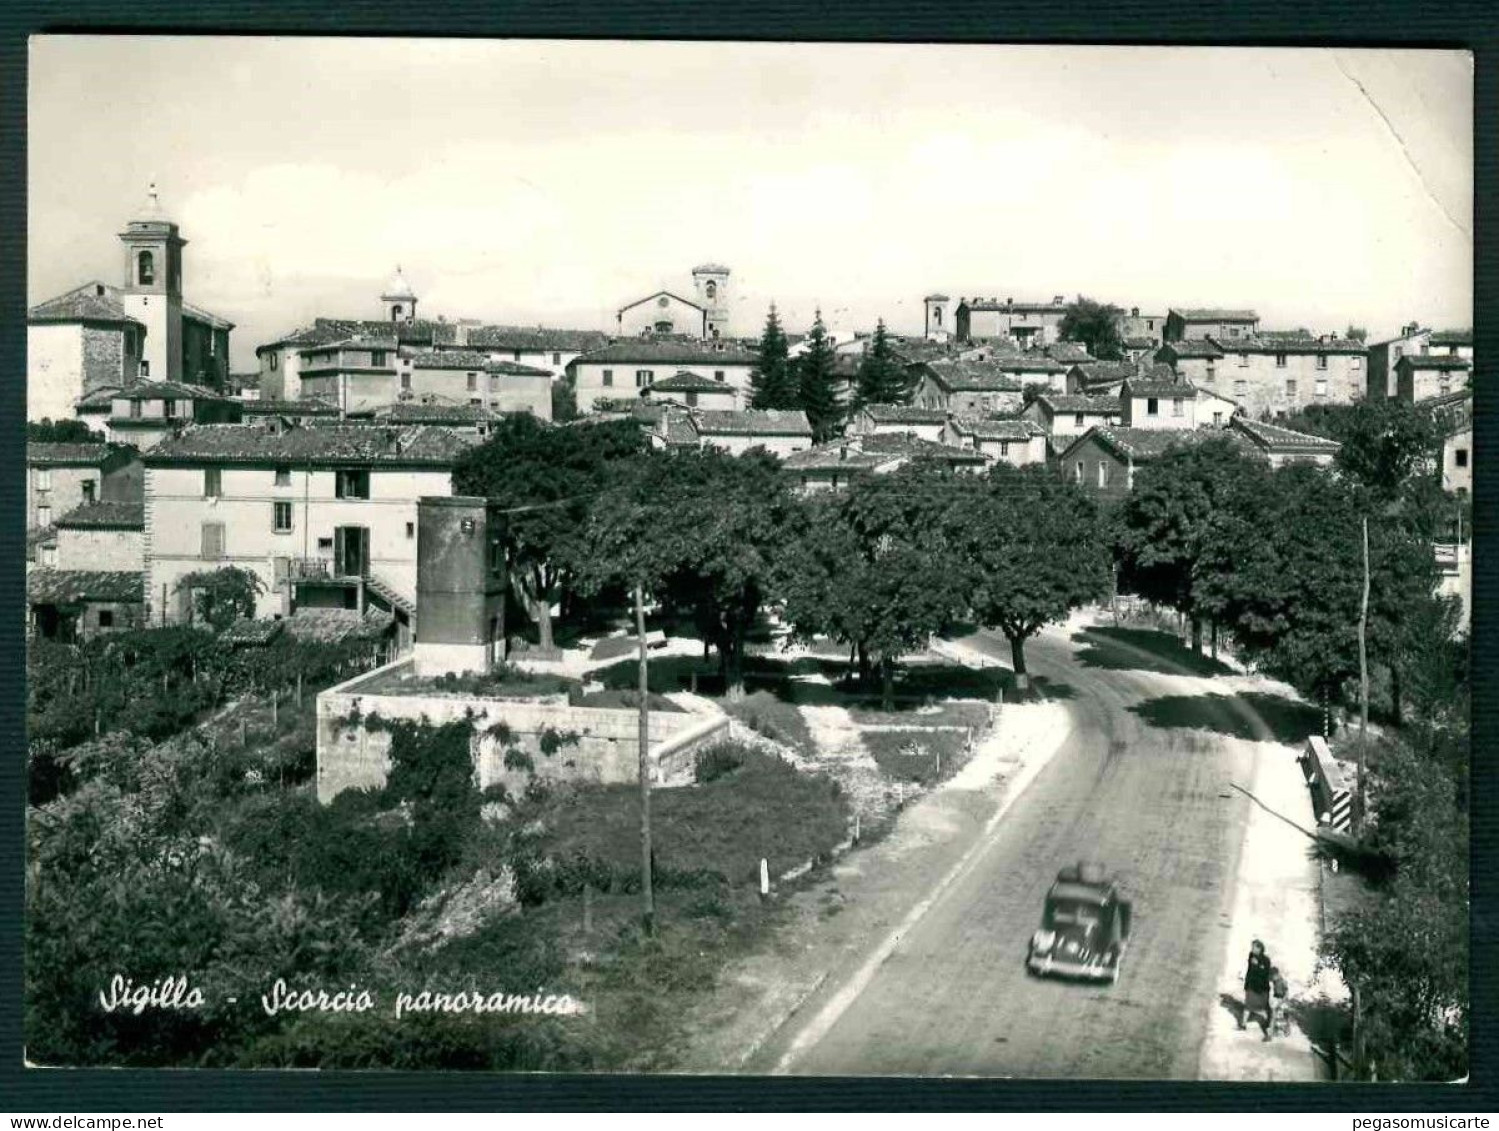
(1066,416)
(624,368)
(1272,375)
(691,390)
(1016,442)
(781,432)
(1026,323)
(1191,323)
(1413,340)
(896,419)
(102,536)
(62,477)
(1420,378)
(968,388)
(1154,402)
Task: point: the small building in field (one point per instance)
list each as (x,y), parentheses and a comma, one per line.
(781,432)
(1281,446)
(899,419)
(71,605)
(692,390)
(1016,442)
(968,388)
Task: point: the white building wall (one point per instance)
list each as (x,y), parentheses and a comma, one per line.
(54,370)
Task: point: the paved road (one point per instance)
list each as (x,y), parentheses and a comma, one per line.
(1155,804)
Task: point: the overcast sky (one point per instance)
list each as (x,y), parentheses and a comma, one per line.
(552,182)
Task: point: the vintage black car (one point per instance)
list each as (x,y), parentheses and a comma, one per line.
(1084,928)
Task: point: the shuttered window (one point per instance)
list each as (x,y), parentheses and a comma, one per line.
(213,541)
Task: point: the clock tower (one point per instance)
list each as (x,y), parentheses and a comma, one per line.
(711,282)
(152,293)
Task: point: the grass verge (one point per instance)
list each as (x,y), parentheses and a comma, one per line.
(925,757)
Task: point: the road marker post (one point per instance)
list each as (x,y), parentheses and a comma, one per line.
(764,878)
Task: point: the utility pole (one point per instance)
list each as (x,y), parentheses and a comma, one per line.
(1363,679)
(647,898)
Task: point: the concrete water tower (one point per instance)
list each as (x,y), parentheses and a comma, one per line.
(460,585)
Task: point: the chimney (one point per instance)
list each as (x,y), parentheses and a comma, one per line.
(1009,302)
(1134,312)
(1058,301)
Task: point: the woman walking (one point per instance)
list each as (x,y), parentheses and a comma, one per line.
(1257,988)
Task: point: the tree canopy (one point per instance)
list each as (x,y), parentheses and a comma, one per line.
(818,386)
(1095,325)
(882,379)
(51,431)
(772,381)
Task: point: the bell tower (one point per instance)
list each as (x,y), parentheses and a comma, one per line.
(711,284)
(938,318)
(152,293)
(398,299)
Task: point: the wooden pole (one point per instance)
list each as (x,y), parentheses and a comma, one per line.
(1363,684)
(647,898)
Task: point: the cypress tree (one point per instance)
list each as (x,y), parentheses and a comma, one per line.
(819,393)
(772,384)
(881,378)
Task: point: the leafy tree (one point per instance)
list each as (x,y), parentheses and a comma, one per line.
(872,568)
(564,402)
(882,379)
(772,381)
(1031,549)
(1356,333)
(1095,325)
(558,472)
(818,387)
(222,596)
(702,531)
(1181,504)
(52,431)
(1386,443)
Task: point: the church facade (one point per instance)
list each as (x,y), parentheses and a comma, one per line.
(704,316)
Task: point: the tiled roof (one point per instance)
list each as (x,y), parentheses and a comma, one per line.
(918,350)
(986,429)
(307,406)
(684,382)
(83,304)
(319,333)
(753,422)
(904,414)
(448,359)
(1017,307)
(1140,343)
(939,297)
(71,586)
(1077,402)
(710,269)
(99,398)
(329,626)
(107,515)
(1213,314)
(536,339)
(914,447)
(515,369)
(679,431)
(1194,347)
(248,631)
(1142,444)
(971,376)
(1291,343)
(361,342)
(840,455)
(1434,361)
(1102,372)
(198,314)
(1153,386)
(437,333)
(335,444)
(1451,337)
(248,380)
(670,352)
(161,390)
(411,412)
(1068,351)
(1030,363)
(66,455)
(1273,437)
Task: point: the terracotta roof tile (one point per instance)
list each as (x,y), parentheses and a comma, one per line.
(1274,438)
(670,352)
(83,304)
(989,429)
(753,422)
(974,376)
(66,455)
(107,515)
(904,414)
(1212,314)
(1434,361)
(684,382)
(330,444)
(71,586)
(1078,402)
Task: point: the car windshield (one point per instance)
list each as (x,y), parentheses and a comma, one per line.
(1071,913)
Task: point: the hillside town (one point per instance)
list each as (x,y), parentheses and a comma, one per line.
(401,629)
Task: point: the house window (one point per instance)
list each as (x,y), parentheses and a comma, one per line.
(1446,385)
(395,312)
(1152,406)
(1077,420)
(644,377)
(1321,361)
(718,375)
(106,618)
(1103,474)
(351,484)
(1004,447)
(517,354)
(1217,419)
(556,358)
(476,402)
(213,541)
(281,518)
(145,372)
(1460,457)
(411,530)
(213,482)
(1211,371)
(1399,350)
(1176,406)
(1078,470)
(1243,361)
(1425,349)
(1233,331)
(43,477)
(1290,386)
(1280,361)
(135,410)
(377,358)
(1241,387)
(608,378)
(1321,386)
(406,381)
(283,477)
(44,516)
(169,408)
(691,400)
(1355,362)
(473,382)
(145,269)
(49,556)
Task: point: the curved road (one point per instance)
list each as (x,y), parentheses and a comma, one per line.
(1154,803)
